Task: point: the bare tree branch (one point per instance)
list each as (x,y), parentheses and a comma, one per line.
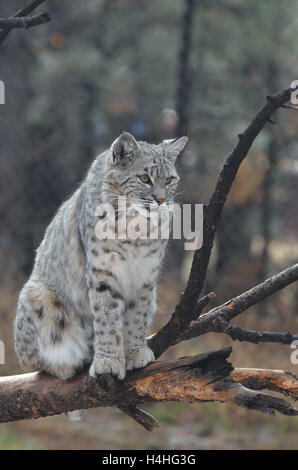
(255,295)
(221,191)
(184,312)
(202,378)
(29,8)
(217,320)
(140,416)
(251,336)
(26,22)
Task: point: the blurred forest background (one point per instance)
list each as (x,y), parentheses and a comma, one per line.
(158,69)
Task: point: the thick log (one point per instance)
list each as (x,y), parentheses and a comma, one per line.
(203,378)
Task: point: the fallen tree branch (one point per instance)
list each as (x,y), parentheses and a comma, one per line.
(203,378)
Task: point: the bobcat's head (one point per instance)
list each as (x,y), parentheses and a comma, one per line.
(142,172)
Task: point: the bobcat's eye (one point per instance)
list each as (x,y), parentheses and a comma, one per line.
(169,179)
(145,179)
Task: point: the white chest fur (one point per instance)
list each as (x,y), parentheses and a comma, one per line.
(139,269)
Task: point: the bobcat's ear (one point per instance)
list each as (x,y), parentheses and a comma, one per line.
(124,148)
(174,147)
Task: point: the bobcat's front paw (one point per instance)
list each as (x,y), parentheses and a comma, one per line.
(139,358)
(107,365)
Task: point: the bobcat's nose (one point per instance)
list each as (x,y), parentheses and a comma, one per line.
(159,200)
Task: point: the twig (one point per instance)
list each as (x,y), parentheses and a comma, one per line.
(288,106)
(29,8)
(140,416)
(251,336)
(216,320)
(242,302)
(26,22)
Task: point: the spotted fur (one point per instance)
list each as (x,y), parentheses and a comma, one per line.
(91,301)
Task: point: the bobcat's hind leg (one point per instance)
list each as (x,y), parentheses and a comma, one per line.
(25,340)
(63,343)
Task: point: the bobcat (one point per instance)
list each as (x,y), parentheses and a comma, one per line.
(89,301)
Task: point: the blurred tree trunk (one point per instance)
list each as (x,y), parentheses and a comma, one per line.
(176,247)
(267,201)
(235,244)
(184,69)
(266,205)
